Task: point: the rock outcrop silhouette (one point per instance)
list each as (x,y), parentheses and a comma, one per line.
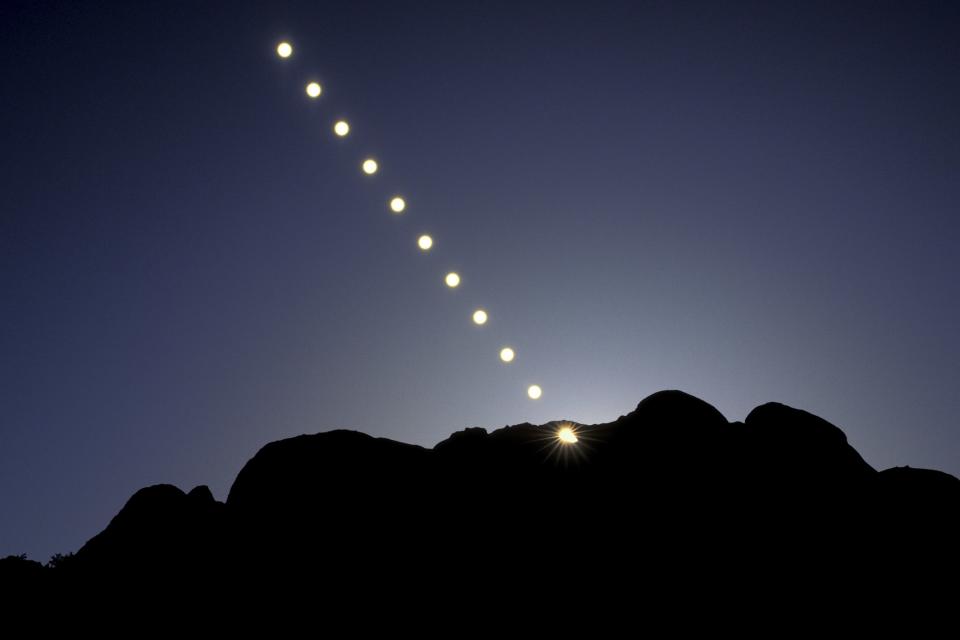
(669,486)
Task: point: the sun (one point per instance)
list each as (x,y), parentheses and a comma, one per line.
(398,205)
(567,435)
(566,442)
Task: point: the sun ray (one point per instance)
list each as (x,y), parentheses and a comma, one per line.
(563,451)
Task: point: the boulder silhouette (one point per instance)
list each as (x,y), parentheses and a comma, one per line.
(158,530)
(668,486)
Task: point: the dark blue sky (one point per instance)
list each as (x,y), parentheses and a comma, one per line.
(749,202)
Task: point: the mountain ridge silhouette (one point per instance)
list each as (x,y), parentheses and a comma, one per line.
(668,484)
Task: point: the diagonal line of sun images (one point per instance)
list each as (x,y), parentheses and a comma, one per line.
(398,205)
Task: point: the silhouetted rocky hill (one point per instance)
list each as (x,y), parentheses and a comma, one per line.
(668,486)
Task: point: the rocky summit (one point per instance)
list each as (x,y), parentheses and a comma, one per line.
(670,486)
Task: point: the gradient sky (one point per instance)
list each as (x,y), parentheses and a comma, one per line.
(749,202)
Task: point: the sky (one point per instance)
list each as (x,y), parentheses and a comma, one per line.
(750,202)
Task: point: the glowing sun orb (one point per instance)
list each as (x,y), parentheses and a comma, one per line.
(425,242)
(370,166)
(284,50)
(534,391)
(341,128)
(506,354)
(565,434)
(480,316)
(452,280)
(314,90)
(398,204)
